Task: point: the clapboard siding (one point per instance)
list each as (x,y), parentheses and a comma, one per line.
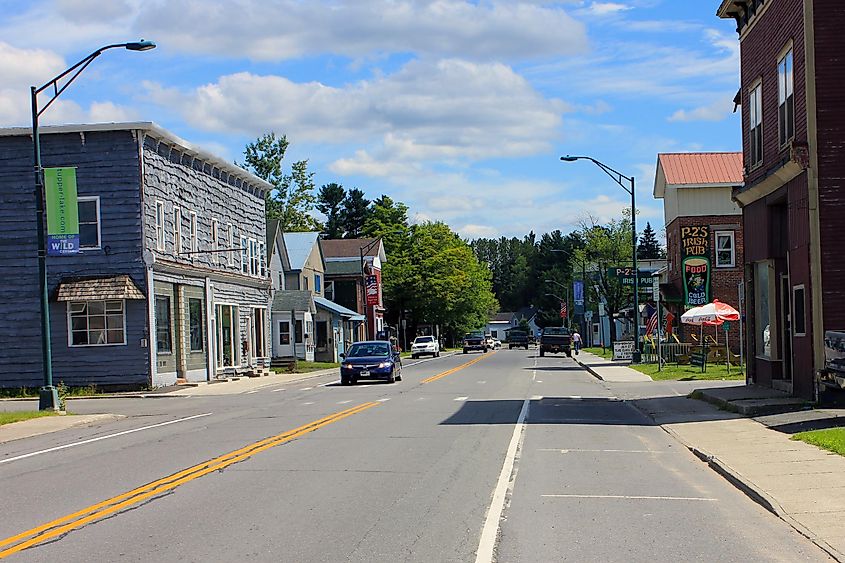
(107,166)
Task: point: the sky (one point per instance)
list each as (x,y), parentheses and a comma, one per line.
(460,109)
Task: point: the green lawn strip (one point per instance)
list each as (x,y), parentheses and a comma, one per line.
(831,439)
(304,367)
(607,353)
(689,373)
(10,417)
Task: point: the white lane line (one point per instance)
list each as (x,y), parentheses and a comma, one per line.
(277,390)
(383,400)
(568,451)
(461,398)
(253,391)
(490,530)
(306,389)
(539,381)
(482,382)
(344,402)
(534,376)
(631,497)
(97,439)
(309,403)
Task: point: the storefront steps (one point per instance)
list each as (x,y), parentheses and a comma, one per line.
(751,400)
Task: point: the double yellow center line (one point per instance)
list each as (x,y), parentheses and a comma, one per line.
(453,370)
(65,524)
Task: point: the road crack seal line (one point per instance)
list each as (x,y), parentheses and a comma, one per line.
(99,511)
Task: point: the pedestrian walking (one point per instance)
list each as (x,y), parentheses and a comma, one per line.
(576,340)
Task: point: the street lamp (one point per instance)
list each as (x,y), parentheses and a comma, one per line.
(48,395)
(583,263)
(566,287)
(618,177)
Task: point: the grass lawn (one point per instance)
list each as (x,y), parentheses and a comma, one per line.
(607,354)
(831,439)
(10,417)
(304,367)
(689,373)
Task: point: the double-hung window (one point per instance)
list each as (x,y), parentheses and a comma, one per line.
(231,243)
(89,222)
(786,98)
(254,259)
(244,255)
(725,249)
(159,225)
(96,323)
(318,285)
(193,230)
(262,256)
(177,230)
(215,242)
(755,126)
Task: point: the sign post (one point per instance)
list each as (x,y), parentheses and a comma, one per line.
(655,288)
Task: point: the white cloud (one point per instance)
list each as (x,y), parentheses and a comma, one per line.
(477,231)
(284,29)
(599,9)
(717,111)
(444,110)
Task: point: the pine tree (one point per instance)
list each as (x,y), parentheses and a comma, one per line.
(649,247)
(329,203)
(356,210)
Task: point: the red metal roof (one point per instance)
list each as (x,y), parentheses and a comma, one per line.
(702,168)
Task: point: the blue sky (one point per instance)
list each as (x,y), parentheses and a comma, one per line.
(460,109)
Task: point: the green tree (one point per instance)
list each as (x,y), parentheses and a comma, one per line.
(356,210)
(329,203)
(649,247)
(292,198)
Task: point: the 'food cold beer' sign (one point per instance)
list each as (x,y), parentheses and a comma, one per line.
(62,211)
(695,262)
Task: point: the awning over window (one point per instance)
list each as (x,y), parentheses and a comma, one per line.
(338,309)
(106,288)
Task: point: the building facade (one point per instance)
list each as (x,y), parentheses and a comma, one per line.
(169,282)
(793,196)
(704,234)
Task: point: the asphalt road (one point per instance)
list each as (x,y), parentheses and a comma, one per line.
(506,455)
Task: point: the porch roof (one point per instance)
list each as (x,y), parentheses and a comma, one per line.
(337,309)
(100,288)
(293,300)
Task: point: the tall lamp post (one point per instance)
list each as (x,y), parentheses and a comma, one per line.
(48,395)
(566,287)
(364,250)
(618,177)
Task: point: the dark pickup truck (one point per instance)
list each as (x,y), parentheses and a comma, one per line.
(475,341)
(517,339)
(555,340)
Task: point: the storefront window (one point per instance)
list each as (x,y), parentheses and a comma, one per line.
(762,298)
(196,324)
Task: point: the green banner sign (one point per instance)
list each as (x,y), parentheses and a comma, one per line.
(62,211)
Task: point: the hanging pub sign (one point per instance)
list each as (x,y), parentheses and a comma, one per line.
(62,211)
(695,264)
(372,290)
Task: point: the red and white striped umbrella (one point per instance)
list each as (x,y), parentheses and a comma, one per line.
(714,313)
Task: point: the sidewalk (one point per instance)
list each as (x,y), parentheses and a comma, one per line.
(38,426)
(800,483)
(246,384)
(608,370)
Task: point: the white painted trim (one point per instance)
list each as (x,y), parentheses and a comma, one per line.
(70,343)
(193,232)
(151,326)
(210,330)
(160,242)
(732,236)
(177,230)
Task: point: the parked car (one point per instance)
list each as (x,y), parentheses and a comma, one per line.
(374,359)
(555,340)
(491,342)
(425,346)
(517,339)
(475,341)
(497,343)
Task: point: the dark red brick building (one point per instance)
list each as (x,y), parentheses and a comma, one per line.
(793,198)
(704,235)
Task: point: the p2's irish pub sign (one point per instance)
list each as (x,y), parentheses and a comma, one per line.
(695,264)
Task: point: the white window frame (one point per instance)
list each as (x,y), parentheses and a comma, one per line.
(177,230)
(755,122)
(786,96)
(88,329)
(262,256)
(194,234)
(327,284)
(215,241)
(254,258)
(94,198)
(244,254)
(231,240)
(160,225)
(732,236)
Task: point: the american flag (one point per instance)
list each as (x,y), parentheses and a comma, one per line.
(651,325)
(563,311)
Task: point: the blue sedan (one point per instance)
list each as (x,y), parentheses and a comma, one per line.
(370,360)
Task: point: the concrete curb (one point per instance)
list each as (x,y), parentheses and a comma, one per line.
(589,369)
(750,489)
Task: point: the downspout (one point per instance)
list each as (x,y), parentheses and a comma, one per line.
(813,193)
